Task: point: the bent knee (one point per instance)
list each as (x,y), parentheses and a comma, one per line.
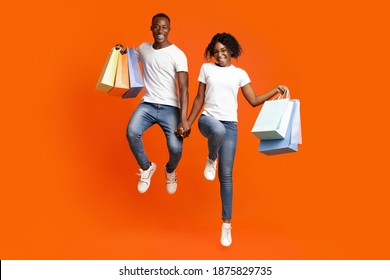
(219,131)
(132,133)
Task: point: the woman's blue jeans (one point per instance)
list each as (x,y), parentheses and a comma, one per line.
(222,143)
(146,115)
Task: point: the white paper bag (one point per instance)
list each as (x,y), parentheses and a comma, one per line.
(273,119)
(293,136)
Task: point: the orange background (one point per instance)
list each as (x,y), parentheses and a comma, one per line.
(68,184)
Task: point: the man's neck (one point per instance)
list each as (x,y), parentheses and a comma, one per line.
(157,46)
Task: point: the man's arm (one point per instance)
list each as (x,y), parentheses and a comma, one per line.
(183,91)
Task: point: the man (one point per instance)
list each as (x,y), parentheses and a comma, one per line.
(165,69)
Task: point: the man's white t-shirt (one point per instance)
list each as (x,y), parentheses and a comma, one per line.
(222,85)
(160,69)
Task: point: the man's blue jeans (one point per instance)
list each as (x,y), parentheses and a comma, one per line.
(222,143)
(146,115)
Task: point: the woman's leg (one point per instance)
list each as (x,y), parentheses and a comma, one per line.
(227,154)
(214,131)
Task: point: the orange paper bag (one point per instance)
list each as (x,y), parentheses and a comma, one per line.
(122,77)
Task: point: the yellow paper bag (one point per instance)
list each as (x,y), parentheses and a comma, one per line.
(107,76)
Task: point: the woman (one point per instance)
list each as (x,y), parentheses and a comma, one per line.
(219,83)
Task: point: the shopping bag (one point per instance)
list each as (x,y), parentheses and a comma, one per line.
(273,119)
(107,76)
(121,84)
(293,136)
(136,81)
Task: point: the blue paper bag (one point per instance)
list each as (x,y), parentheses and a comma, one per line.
(136,81)
(293,136)
(122,83)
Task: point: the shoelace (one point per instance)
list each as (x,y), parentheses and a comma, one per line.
(141,174)
(226,232)
(213,163)
(171,177)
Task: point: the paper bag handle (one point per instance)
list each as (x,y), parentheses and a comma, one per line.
(285,95)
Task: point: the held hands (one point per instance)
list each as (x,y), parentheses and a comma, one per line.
(183,130)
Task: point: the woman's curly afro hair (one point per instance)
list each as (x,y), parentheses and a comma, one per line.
(227,40)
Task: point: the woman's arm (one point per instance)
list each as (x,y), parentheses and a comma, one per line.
(256,100)
(198,103)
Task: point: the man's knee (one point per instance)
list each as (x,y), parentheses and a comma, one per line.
(132,133)
(176,150)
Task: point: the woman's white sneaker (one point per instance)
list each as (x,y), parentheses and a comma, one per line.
(226,237)
(210,169)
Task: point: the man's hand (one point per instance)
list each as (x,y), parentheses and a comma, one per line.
(183,130)
(121,48)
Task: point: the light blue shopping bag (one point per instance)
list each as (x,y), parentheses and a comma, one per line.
(273,118)
(293,136)
(136,81)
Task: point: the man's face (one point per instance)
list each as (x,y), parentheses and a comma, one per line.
(160,29)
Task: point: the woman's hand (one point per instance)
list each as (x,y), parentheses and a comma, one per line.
(281,89)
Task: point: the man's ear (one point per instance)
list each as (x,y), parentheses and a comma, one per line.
(151,28)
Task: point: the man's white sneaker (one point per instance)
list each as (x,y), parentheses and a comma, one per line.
(171,182)
(145,176)
(210,169)
(226,237)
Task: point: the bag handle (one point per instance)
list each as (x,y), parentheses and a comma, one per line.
(285,95)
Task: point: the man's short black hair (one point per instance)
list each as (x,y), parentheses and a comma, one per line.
(161,15)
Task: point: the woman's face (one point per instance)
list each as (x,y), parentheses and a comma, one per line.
(222,55)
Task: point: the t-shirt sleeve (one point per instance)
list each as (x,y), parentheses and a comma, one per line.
(244,78)
(181,62)
(202,74)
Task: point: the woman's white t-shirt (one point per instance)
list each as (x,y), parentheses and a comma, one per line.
(222,85)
